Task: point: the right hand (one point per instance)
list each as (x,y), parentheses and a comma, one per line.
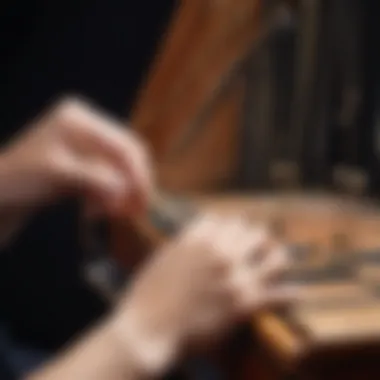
(75,148)
(215,272)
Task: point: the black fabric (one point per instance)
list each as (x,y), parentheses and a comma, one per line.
(101,50)
(5,371)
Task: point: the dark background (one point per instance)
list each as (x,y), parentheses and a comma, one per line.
(101,50)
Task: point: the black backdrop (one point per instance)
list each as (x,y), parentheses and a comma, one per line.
(99,49)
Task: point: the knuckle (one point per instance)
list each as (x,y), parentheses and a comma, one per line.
(241,300)
(261,241)
(261,233)
(280,254)
(284,257)
(203,223)
(221,252)
(241,285)
(72,111)
(140,147)
(66,112)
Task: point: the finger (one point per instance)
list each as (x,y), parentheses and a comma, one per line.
(200,229)
(226,240)
(267,298)
(273,266)
(252,282)
(100,182)
(130,155)
(88,127)
(240,285)
(199,240)
(223,243)
(279,296)
(252,244)
(81,123)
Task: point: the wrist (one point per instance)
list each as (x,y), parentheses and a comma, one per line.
(152,353)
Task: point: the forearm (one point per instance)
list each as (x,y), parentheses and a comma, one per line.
(99,356)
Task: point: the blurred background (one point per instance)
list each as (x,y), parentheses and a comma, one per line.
(233,96)
(266,95)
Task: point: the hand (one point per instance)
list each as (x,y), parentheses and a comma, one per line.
(74,148)
(216,272)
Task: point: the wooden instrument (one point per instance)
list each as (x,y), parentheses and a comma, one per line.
(194,89)
(334,247)
(190,107)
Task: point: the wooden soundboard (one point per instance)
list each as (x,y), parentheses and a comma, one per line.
(334,245)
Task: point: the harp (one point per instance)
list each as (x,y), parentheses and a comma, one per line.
(188,111)
(189,105)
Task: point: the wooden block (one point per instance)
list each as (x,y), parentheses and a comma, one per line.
(340,326)
(277,334)
(336,292)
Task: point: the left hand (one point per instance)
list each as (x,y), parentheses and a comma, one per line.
(75,148)
(215,273)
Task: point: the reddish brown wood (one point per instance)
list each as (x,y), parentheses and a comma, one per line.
(204,41)
(281,350)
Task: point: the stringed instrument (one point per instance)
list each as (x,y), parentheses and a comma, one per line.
(193,98)
(190,106)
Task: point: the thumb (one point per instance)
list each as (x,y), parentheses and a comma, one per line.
(105,186)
